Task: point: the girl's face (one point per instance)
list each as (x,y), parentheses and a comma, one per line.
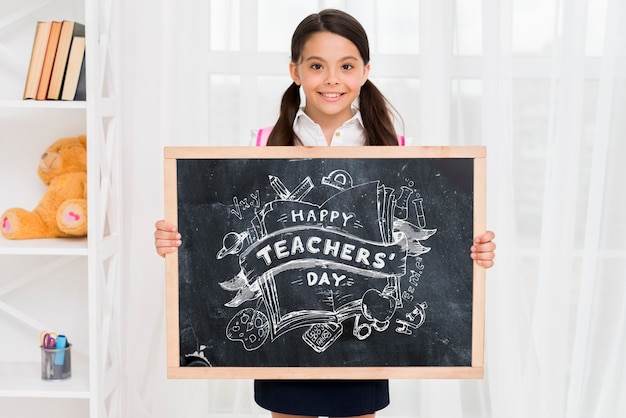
(331,72)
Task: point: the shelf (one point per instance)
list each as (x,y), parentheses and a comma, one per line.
(48,112)
(51,246)
(41,104)
(23,380)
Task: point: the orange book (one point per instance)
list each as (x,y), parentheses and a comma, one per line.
(42,33)
(48,62)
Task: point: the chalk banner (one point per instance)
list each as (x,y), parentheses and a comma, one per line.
(323,263)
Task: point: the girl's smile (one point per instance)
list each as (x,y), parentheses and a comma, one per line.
(331,96)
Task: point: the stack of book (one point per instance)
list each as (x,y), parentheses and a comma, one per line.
(57,62)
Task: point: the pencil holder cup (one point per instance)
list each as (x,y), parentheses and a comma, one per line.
(56,363)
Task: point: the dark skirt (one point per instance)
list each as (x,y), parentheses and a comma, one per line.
(335,398)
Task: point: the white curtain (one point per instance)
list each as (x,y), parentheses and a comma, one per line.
(541,83)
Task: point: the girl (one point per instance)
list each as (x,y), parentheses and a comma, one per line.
(330,64)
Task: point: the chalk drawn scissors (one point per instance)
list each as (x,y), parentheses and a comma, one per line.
(48,339)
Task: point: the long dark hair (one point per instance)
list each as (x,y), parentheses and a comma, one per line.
(375,108)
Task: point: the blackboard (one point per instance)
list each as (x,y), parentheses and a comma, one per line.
(307,262)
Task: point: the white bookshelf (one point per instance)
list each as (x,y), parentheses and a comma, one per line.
(66,285)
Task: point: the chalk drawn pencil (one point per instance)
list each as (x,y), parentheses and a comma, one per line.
(279,187)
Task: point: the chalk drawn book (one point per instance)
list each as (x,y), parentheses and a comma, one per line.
(316,263)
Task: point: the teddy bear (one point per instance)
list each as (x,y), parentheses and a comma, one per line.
(62,211)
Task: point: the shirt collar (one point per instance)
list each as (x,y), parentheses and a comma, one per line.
(310,133)
(300,114)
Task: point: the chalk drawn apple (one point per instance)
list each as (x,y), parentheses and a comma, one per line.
(378,307)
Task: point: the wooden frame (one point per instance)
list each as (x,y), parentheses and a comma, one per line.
(192,173)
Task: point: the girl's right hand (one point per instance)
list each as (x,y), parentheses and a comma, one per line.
(166,238)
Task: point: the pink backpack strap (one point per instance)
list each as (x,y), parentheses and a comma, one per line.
(262,136)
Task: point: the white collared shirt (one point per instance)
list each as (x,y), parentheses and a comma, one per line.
(351,133)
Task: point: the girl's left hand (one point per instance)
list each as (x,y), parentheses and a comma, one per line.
(483,250)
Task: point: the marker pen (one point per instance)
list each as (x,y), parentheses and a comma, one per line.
(59,357)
